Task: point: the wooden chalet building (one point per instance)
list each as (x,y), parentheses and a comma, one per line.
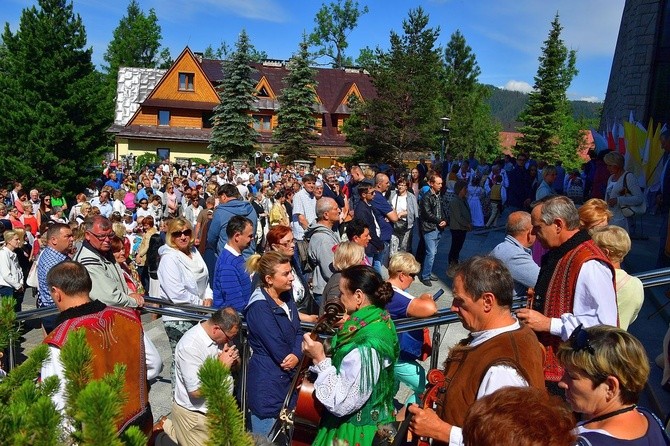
(169,112)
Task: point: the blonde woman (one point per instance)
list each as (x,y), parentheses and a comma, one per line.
(11,275)
(403,269)
(346,254)
(595,212)
(275,337)
(615,243)
(118,205)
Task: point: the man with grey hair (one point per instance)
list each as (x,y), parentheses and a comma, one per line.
(386,216)
(109,285)
(322,241)
(576,281)
(515,252)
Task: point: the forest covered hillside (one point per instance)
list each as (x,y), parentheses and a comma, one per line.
(506,106)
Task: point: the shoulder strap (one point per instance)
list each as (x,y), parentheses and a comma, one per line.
(582,441)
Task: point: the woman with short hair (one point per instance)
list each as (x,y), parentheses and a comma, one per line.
(606,368)
(403,269)
(346,254)
(594,213)
(615,243)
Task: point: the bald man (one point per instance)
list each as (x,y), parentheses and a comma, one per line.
(516,254)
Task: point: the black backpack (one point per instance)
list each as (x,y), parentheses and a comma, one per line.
(153,259)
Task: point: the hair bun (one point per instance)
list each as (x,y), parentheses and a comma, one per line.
(384,294)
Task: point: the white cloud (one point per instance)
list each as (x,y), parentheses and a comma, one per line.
(590,99)
(521,86)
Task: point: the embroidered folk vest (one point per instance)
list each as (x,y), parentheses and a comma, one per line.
(115,336)
(561,296)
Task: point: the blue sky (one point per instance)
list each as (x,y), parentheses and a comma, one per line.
(505,35)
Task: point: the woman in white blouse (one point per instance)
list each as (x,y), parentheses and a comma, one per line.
(623,192)
(182,275)
(11,276)
(407,208)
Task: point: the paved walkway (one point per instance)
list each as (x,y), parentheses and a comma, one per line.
(649,330)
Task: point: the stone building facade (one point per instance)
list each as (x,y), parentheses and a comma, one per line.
(640,76)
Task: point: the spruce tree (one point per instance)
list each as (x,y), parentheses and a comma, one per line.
(296,108)
(405,114)
(465,102)
(53,120)
(547,116)
(232,133)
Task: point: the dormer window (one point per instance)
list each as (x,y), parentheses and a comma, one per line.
(186,82)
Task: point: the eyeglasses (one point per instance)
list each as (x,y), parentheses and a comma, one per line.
(229,337)
(288,243)
(186,232)
(579,340)
(102,237)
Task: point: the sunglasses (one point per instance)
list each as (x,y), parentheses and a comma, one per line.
(102,237)
(186,232)
(579,340)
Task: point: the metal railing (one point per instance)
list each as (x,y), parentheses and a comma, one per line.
(652,278)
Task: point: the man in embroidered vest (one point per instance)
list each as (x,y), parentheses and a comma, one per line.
(114,335)
(498,353)
(575,285)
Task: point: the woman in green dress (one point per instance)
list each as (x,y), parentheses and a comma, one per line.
(356,386)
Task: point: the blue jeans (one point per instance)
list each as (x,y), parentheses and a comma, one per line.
(262,426)
(431,239)
(381,258)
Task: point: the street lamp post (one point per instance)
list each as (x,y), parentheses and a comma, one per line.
(445,133)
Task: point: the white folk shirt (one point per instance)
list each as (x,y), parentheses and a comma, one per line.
(594,304)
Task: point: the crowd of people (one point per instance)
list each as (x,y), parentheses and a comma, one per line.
(278,245)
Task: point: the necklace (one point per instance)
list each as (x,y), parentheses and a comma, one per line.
(610,414)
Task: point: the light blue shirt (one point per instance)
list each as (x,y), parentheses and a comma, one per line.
(519,261)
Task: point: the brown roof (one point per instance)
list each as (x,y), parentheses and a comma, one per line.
(173,103)
(332,83)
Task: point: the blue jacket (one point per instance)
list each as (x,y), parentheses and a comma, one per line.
(272,336)
(231,285)
(216,234)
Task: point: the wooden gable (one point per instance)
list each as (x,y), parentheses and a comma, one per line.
(169,87)
(353,90)
(264,90)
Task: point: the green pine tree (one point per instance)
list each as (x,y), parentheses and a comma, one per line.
(54,117)
(135,43)
(547,116)
(224,419)
(232,134)
(466,102)
(405,114)
(296,111)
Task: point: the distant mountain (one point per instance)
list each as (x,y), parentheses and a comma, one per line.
(506,106)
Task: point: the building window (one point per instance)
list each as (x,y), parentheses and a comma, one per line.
(163,117)
(163,154)
(186,81)
(207,120)
(262,123)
